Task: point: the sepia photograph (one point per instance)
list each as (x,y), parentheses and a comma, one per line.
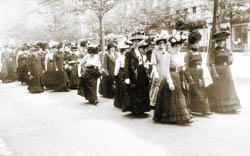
(124,77)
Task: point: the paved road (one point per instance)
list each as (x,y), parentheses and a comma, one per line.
(62,124)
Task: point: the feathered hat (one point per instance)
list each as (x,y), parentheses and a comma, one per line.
(178,38)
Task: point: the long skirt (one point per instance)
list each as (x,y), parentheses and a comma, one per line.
(120,90)
(4,72)
(35,82)
(138,94)
(50,76)
(22,72)
(171,105)
(61,80)
(73,77)
(88,84)
(107,88)
(198,96)
(223,97)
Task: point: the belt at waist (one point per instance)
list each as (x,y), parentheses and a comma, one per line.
(221,64)
(174,69)
(198,66)
(92,67)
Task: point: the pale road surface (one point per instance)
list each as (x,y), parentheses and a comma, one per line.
(61,124)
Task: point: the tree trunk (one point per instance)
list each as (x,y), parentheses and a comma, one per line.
(102,41)
(231,32)
(211,42)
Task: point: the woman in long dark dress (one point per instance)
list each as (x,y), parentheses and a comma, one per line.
(136,79)
(22,69)
(119,80)
(171,106)
(224,98)
(35,72)
(61,76)
(107,82)
(88,72)
(198,97)
(50,69)
(4,61)
(73,66)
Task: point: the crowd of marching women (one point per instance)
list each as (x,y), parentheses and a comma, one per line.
(147,73)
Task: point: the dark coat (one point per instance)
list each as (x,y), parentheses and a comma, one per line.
(138,90)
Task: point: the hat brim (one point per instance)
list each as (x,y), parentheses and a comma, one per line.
(162,39)
(136,38)
(221,35)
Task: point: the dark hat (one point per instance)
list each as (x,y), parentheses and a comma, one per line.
(139,35)
(60,45)
(73,48)
(112,44)
(194,36)
(83,43)
(93,49)
(222,34)
(174,41)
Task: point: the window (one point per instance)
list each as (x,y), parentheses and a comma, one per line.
(177,11)
(194,10)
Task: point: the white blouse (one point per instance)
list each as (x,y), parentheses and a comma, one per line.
(161,60)
(89,60)
(119,63)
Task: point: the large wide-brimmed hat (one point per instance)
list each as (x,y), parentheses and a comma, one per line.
(222,34)
(73,48)
(178,38)
(194,36)
(112,44)
(139,35)
(160,37)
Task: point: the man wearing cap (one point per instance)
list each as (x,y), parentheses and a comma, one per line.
(136,79)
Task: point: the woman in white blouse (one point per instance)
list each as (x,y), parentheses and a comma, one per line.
(170,104)
(88,71)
